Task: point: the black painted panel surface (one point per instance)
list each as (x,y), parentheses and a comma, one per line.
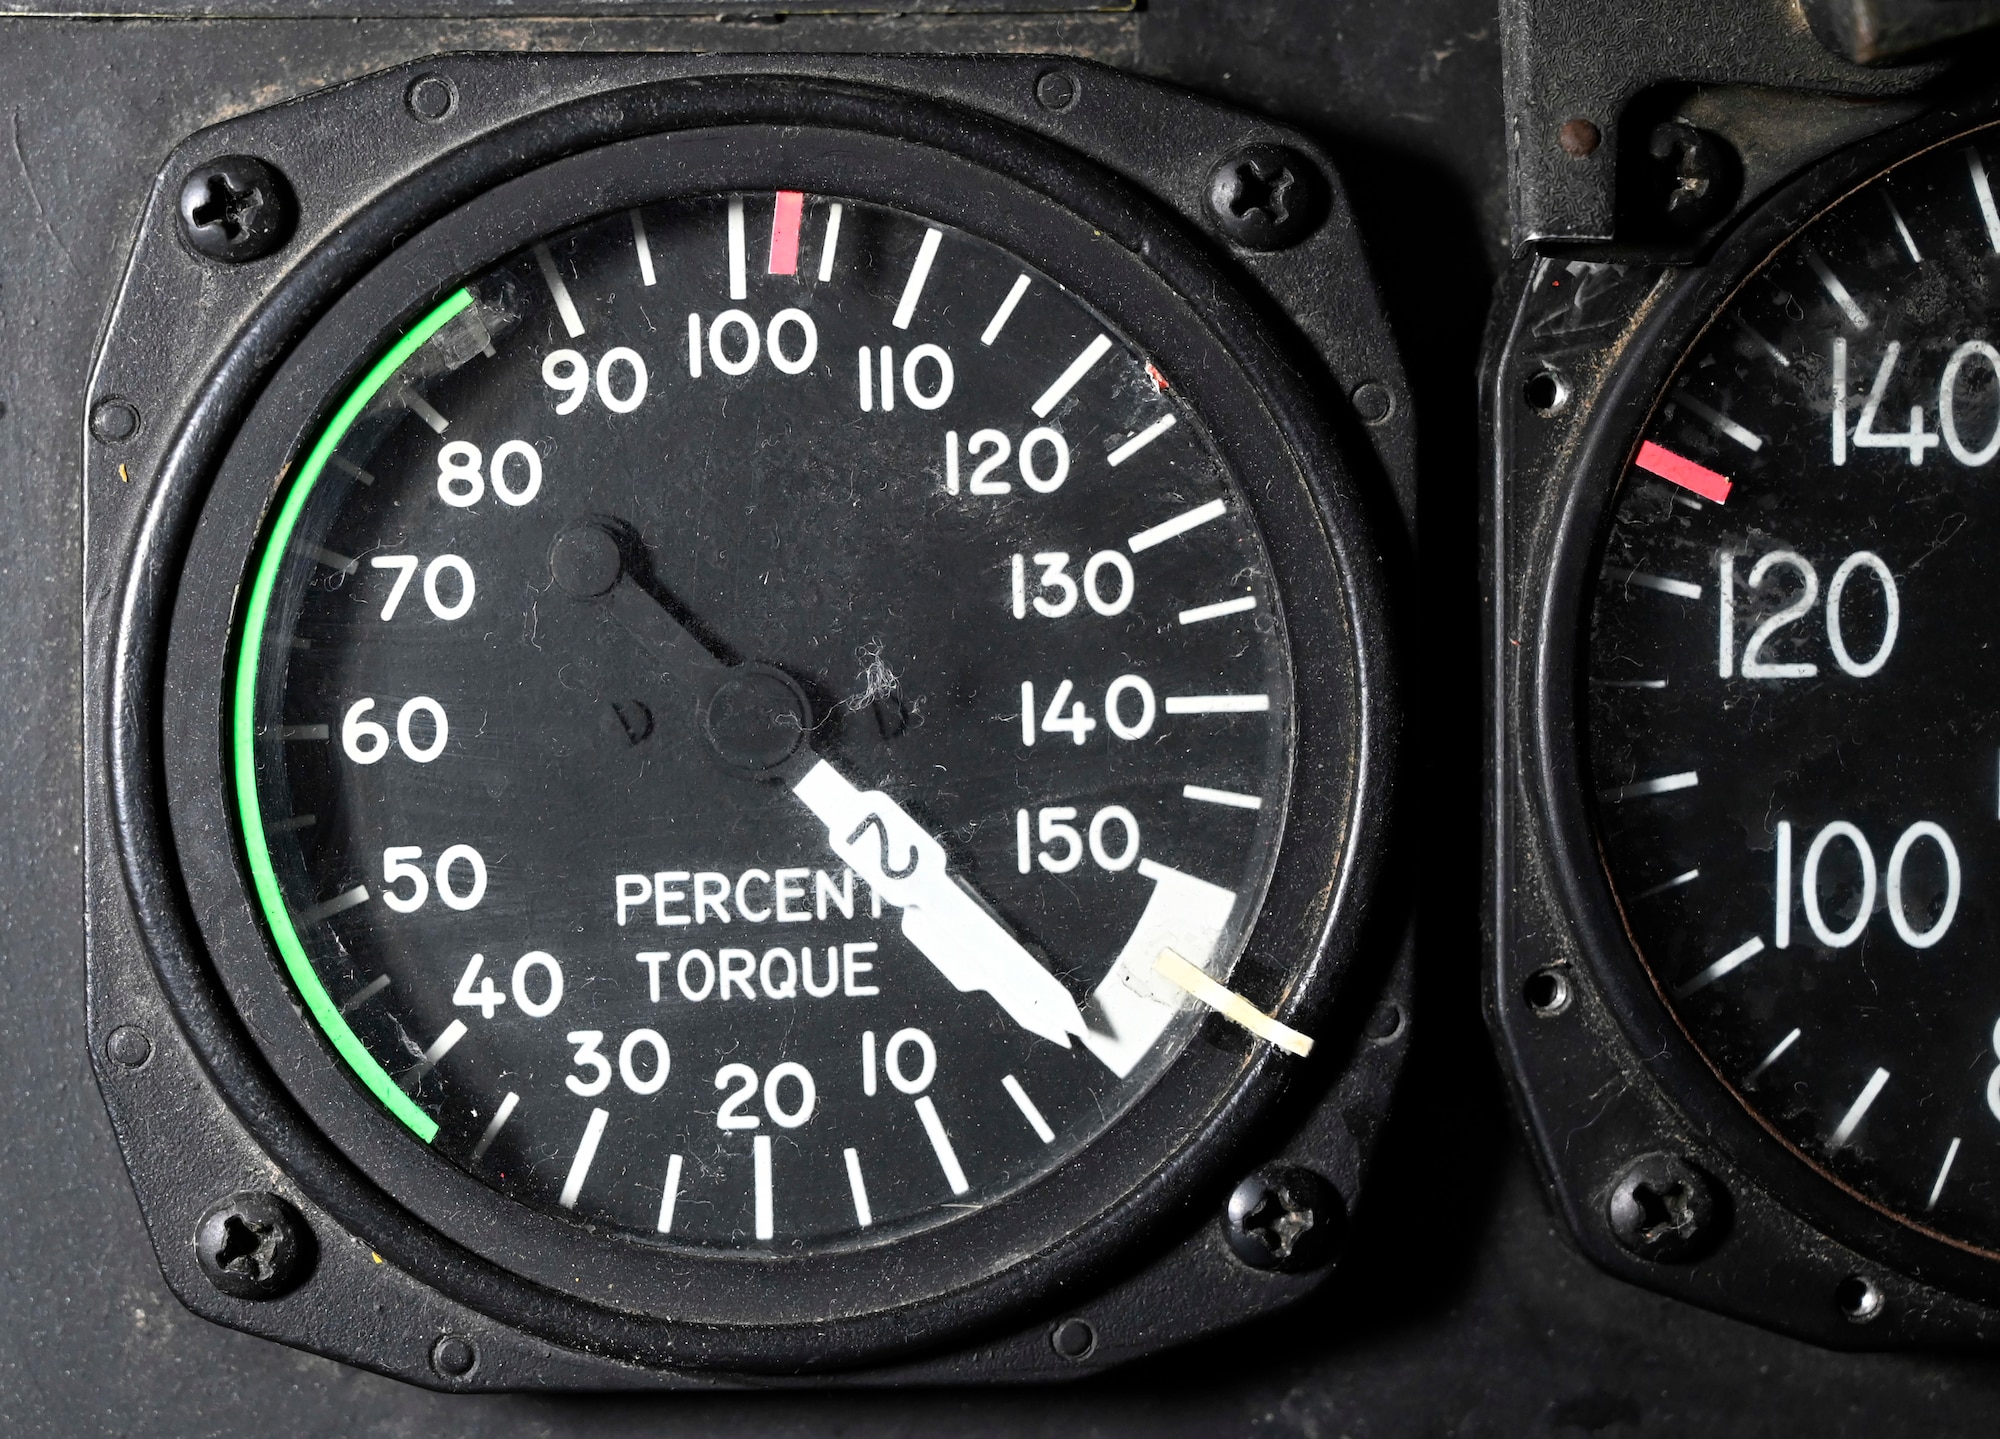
(1461,1311)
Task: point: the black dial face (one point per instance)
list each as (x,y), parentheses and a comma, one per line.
(1793,705)
(735,705)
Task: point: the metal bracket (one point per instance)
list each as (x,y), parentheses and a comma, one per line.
(1572,68)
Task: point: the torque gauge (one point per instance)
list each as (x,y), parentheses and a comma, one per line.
(773,726)
(1782,797)
(701,670)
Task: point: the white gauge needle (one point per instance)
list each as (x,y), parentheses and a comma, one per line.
(951,928)
(947,922)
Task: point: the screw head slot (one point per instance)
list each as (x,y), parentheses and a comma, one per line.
(1285,1219)
(1664,1209)
(254,1246)
(236,209)
(1700,174)
(1266,197)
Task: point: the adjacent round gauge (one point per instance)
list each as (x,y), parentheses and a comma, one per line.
(1793,708)
(734,705)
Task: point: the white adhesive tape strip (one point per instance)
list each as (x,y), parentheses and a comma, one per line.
(1229,1004)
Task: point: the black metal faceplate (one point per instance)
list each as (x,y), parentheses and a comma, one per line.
(1604,1075)
(175,352)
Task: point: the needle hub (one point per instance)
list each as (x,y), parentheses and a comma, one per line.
(755,718)
(587,560)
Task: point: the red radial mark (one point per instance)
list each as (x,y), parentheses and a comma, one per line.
(1679,470)
(785,232)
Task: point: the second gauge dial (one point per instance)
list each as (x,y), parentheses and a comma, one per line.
(1793,688)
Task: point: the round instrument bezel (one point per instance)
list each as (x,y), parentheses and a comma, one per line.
(1620,410)
(1120,1196)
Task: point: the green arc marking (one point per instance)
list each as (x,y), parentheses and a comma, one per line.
(269,896)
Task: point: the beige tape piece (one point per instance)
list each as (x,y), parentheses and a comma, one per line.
(1230,1004)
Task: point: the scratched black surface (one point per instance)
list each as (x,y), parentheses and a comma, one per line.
(1461,1312)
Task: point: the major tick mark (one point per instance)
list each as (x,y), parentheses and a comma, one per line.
(1640,789)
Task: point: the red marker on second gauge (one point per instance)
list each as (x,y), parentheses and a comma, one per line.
(785,218)
(1679,470)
